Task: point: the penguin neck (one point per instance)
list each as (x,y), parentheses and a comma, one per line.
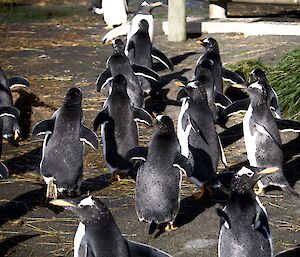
(244,200)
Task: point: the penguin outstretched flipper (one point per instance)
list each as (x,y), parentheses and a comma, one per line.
(137,153)
(222,100)
(17,82)
(145,72)
(142,116)
(223,218)
(43,127)
(116,32)
(101,117)
(196,128)
(103,79)
(4,173)
(89,137)
(183,164)
(232,76)
(260,223)
(142,250)
(9,111)
(288,125)
(161,57)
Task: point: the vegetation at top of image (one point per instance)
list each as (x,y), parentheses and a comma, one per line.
(284,77)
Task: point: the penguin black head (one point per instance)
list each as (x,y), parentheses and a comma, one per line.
(258,75)
(165,125)
(256,90)
(143,25)
(245,179)
(195,91)
(210,44)
(146,7)
(73,98)
(90,210)
(119,83)
(118,46)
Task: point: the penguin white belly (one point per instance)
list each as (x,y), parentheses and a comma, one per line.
(114,12)
(78,238)
(182,134)
(250,140)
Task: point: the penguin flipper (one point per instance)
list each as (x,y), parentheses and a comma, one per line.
(232,76)
(4,173)
(196,128)
(103,79)
(236,107)
(262,129)
(183,164)
(116,32)
(161,57)
(43,127)
(224,218)
(260,223)
(137,153)
(101,117)
(9,111)
(141,115)
(142,250)
(89,137)
(288,125)
(18,82)
(145,72)
(222,100)
(181,94)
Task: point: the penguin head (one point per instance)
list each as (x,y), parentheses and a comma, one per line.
(118,46)
(90,210)
(258,75)
(165,125)
(146,7)
(119,83)
(245,179)
(143,25)
(195,90)
(73,98)
(256,90)
(210,44)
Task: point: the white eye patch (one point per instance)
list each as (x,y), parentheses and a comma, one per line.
(86,202)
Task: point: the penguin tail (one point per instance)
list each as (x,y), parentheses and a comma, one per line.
(153,226)
(287,188)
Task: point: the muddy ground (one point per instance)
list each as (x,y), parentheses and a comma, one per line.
(63,50)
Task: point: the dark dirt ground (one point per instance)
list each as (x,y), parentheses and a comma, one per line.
(65,51)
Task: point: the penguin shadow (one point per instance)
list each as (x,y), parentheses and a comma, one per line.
(13,241)
(295,252)
(158,100)
(231,135)
(95,184)
(157,66)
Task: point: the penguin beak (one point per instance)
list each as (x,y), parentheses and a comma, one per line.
(179,84)
(156,4)
(62,203)
(200,42)
(269,170)
(239,86)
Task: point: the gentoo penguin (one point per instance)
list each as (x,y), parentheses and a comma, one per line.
(118,63)
(141,51)
(98,235)
(62,160)
(244,227)
(11,128)
(143,13)
(118,126)
(114,12)
(158,179)
(198,136)
(262,138)
(11,112)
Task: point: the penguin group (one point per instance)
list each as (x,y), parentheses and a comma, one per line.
(192,150)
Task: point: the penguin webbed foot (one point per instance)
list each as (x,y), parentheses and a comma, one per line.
(205,191)
(170,227)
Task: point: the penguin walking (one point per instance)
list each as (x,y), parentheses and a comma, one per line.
(114,12)
(244,227)
(118,126)
(262,138)
(197,135)
(143,13)
(141,52)
(62,159)
(159,178)
(13,113)
(10,127)
(98,235)
(118,63)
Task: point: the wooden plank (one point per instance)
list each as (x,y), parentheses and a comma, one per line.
(177,20)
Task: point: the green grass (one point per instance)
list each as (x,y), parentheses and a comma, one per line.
(284,77)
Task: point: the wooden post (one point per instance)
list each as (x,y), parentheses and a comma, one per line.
(177,20)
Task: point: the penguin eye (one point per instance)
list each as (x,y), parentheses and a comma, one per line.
(250,173)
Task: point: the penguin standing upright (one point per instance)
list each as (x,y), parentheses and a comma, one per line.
(118,63)
(158,179)
(62,159)
(114,12)
(98,235)
(197,135)
(141,51)
(262,138)
(244,227)
(10,127)
(118,126)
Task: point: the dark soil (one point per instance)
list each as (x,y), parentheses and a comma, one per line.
(63,51)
